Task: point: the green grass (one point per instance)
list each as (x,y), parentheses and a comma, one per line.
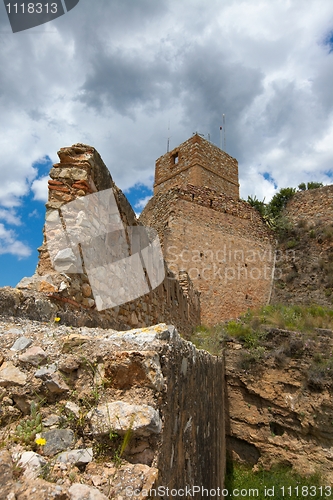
(251,328)
(209,339)
(297,317)
(280,483)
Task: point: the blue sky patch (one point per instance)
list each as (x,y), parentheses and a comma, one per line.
(138,196)
(329,41)
(267,176)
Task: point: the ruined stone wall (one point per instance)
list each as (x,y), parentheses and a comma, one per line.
(221,242)
(122,413)
(304,269)
(81,171)
(313,206)
(198,162)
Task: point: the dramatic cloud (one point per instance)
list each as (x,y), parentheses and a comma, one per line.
(118,74)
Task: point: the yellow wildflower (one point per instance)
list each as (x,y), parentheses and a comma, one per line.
(57,319)
(40,441)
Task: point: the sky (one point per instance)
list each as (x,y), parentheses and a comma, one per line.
(124,75)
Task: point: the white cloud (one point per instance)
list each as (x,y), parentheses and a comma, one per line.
(40,189)
(140,204)
(10,217)
(10,244)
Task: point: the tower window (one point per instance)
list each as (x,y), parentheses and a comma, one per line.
(175,158)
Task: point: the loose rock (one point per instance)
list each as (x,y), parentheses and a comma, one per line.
(20,344)
(34,356)
(11,375)
(57,440)
(142,420)
(83,492)
(77,457)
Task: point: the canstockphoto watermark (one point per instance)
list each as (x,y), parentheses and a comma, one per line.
(122,263)
(267,491)
(25,14)
(191,491)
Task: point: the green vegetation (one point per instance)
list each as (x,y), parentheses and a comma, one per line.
(297,317)
(310,185)
(279,201)
(278,483)
(209,339)
(272,211)
(26,431)
(320,373)
(252,329)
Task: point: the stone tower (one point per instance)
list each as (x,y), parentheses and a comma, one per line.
(200,163)
(206,230)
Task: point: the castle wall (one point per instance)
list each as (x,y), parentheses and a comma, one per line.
(81,171)
(198,162)
(221,242)
(313,206)
(304,270)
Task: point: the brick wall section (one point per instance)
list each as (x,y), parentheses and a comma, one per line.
(198,162)
(221,242)
(313,206)
(81,171)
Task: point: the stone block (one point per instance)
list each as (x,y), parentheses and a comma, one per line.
(120,417)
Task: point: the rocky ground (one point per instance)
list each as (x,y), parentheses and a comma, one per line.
(78,417)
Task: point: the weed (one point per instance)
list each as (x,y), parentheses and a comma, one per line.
(209,339)
(238,329)
(72,476)
(291,243)
(97,379)
(26,431)
(252,357)
(320,373)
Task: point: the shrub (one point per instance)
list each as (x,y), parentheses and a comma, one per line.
(280,200)
(314,185)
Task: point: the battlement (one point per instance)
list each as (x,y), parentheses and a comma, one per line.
(200,163)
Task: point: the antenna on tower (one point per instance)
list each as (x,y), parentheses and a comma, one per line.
(168,142)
